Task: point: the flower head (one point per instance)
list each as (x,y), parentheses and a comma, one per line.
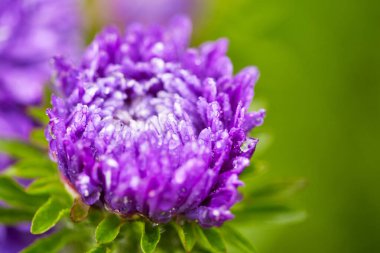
(146,125)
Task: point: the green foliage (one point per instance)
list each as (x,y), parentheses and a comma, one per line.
(108,229)
(19,149)
(9,216)
(211,239)
(38,114)
(279,190)
(270,214)
(48,215)
(44,185)
(32,168)
(150,237)
(14,195)
(52,243)
(100,249)
(37,137)
(235,238)
(270,204)
(186,234)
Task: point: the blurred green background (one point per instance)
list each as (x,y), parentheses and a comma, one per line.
(319,63)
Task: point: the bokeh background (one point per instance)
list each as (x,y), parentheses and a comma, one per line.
(320,83)
(319,63)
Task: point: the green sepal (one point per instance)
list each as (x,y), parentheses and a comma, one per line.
(79,210)
(186,233)
(150,237)
(52,243)
(49,214)
(108,229)
(211,239)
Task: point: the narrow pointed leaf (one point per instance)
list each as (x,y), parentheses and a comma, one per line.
(283,189)
(235,238)
(186,234)
(108,229)
(256,168)
(39,114)
(14,195)
(37,137)
(32,168)
(270,213)
(10,216)
(150,238)
(19,149)
(52,243)
(48,215)
(46,185)
(211,239)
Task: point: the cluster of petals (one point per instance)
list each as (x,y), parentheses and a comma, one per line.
(146,125)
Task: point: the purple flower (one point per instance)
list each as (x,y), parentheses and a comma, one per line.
(146,125)
(31,33)
(14,239)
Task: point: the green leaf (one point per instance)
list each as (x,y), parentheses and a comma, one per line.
(19,149)
(283,189)
(186,234)
(108,229)
(79,210)
(256,168)
(100,249)
(46,185)
(211,239)
(270,213)
(14,195)
(235,238)
(95,216)
(32,168)
(48,215)
(37,136)
(10,216)
(150,237)
(39,114)
(46,97)
(52,243)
